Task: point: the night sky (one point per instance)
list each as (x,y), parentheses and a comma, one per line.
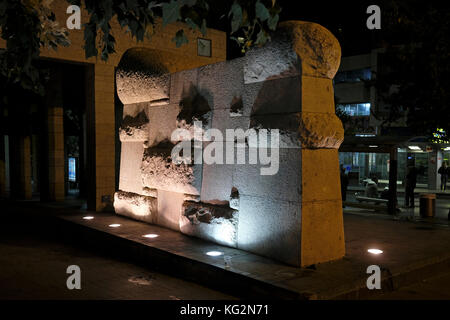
(345,19)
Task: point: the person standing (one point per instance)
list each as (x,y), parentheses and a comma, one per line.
(410,185)
(344,184)
(444,172)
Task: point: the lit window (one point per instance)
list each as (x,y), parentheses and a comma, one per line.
(355,109)
(352,76)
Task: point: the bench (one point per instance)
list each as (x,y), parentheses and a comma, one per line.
(374,200)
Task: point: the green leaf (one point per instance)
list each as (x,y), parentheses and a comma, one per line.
(203,28)
(171,12)
(273,22)
(180,38)
(261,38)
(189,3)
(191,23)
(236,17)
(261,11)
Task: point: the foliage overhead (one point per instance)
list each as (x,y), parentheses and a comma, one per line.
(28,25)
(416,65)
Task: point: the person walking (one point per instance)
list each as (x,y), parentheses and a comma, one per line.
(344,184)
(410,185)
(444,172)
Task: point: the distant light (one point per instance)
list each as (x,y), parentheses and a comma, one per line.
(447,149)
(152,235)
(375,251)
(88,218)
(114,225)
(373,146)
(368,135)
(414,148)
(214,253)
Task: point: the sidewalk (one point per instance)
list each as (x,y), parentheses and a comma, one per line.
(412,251)
(401,190)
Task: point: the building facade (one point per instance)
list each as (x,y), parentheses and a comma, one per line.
(67,144)
(369,146)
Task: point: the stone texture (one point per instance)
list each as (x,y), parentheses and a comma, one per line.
(130,178)
(158,171)
(317,95)
(220,91)
(138,81)
(296,48)
(322,236)
(291,213)
(135,126)
(285,185)
(169,209)
(135,206)
(319,130)
(322,220)
(210,222)
(270,228)
(216,182)
(277,96)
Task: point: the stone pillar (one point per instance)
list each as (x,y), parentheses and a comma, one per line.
(104,135)
(56,184)
(322,230)
(2,153)
(2,166)
(52,186)
(433,176)
(393,173)
(20,151)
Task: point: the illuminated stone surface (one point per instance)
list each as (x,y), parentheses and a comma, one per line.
(135,206)
(294,216)
(210,222)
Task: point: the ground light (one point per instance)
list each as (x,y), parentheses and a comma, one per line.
(114,225)
(151,236)
(214,253)
(375,251)
(88,218)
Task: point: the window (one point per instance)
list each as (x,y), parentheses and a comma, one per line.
(353,76)
(355,109)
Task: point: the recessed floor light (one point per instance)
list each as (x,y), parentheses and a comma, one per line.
(152,235)
(88,218)
(375,251)
(114,225)
(214,253)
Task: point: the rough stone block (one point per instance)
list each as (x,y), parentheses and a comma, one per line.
(130,167)
(180,83)
(216,182)
(320,175)
(135,124)
(158,171)
(276,96)
(322,236)
(285,185)
(163,121)
(270,228)
(169,209)
(320,131)
(220,91)
(317,95)
(210,222)
(135,206)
